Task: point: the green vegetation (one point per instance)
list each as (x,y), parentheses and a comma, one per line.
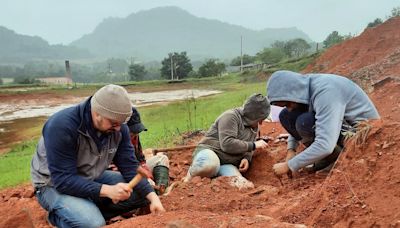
(376,22)
(333,38)
(246,60)
(293,64)
(180,64)
(277,52)
(166,123)
(136,72)
(395,12)
(212,68)
(15,165)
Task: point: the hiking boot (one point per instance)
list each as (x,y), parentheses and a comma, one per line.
(161,178)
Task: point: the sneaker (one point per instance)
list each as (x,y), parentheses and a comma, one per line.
(241,183)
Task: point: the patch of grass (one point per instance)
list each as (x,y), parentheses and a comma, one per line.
(15,165)
(295,65)
(165,123)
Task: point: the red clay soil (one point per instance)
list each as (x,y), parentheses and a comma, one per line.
(367,58)
(362,190)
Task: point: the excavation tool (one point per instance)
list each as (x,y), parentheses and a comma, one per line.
(177,148)
(141,172)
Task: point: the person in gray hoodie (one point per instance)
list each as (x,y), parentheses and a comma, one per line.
(318,107)
(228,146)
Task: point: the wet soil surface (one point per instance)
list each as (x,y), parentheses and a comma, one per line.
(362,190)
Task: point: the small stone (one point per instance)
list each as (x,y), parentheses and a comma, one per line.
(385,145)
(13,199)
(361,161)
(180,224)
(29,193)
(206,180)
(196,180)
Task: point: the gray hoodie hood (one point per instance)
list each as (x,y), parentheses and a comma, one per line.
(255,108)
(289,86)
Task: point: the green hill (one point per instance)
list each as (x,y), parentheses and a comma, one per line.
(16,48)
(152,34)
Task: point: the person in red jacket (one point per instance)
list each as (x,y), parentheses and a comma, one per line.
(157,165)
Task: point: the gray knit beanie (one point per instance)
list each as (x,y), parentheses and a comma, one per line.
(256,108)
(112,102)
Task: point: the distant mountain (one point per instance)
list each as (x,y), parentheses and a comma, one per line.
(16,48)
(152,34)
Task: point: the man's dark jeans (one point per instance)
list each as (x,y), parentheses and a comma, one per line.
(301,125)
(70,211)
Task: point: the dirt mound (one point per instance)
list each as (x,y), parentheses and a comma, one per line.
(362,190)
(367,58)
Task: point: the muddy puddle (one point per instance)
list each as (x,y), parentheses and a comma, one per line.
(22,120)
(9,111)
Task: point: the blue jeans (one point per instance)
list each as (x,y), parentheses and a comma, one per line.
(299,124)
(70,211)
(207,164)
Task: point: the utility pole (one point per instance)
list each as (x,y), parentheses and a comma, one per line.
(241,53)
(67,69)
(172,66)
(129,70)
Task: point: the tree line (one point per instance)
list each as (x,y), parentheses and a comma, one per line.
(174,66)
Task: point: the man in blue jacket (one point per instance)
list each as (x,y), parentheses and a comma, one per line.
(69,169)
(317,108)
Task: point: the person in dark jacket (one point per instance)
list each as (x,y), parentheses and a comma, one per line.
(228,146)
(318,107)
(157,165)
(69,168)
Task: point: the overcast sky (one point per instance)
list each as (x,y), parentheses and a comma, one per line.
(63,21)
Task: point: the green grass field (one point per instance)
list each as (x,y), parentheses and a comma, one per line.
(165,122)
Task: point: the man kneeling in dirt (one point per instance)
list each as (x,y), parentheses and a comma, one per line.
(69,169)
(157,165)
(228,146)
(318,107)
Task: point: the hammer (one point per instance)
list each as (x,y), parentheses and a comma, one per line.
(141,172)
(155,151)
